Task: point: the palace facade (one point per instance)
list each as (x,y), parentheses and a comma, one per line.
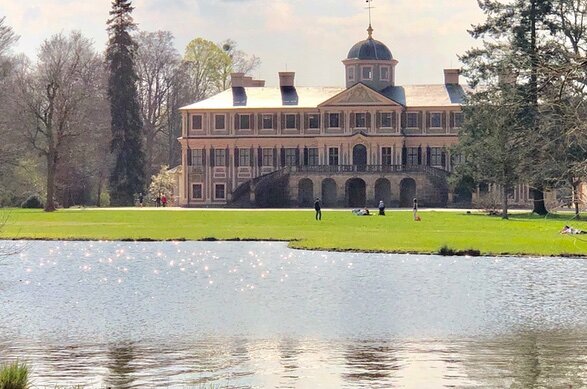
(374,140)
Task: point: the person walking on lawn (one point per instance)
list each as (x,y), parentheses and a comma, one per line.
(318,209)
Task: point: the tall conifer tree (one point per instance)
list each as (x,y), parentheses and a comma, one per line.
(128,172)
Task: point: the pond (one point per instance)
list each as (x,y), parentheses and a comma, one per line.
(260,315)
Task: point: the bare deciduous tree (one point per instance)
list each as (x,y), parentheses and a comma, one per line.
(53,99)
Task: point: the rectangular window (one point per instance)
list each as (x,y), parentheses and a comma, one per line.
(367,72)
(245,122)
(459,119)
(457,159)
(384,73)
(196,122)
(361,120)
(386,158)
(313,156)
(219,192)
(333,120)
(219,122)
(244,157)
(333,156)
(219,157)
(412,120)
(267,157)
(290,121)
(386,120)
(412,156)
(313,120)
(197,157)
(267,122)
(351,73)
(435,120)
(197,192)
(290,157)
(436,156)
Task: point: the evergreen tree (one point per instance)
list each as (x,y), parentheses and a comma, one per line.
(520,30)
(128,172)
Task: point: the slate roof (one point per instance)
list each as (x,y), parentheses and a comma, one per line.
(411,96)
(370,49)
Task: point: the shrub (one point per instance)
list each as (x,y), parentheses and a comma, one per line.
(33,201)
(14,376)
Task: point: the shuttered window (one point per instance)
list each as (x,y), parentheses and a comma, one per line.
(219,157)
(267,157)
(333,156)
(197,159)
(313,156)
(386,156)
(244,157)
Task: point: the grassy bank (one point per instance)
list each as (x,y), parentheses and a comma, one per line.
(396,232)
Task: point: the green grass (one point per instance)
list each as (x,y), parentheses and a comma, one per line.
(14,376)
(396,232)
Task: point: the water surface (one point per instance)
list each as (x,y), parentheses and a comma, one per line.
(259,315)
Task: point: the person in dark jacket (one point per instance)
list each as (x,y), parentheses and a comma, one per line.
(318,209)
(381,208)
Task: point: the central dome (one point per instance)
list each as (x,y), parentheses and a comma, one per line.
(370,49)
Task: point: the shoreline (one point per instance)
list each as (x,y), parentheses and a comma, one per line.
(467,253)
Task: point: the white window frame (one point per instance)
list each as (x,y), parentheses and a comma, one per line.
(201,122)
(333,152)
(439,114)
(390,119)
(216,186)
(220,155)
(240,122)
(436,153)
(363,68)
(364,116)
(462,115)
(388,78)
(266,155)
(197,156)
(218,115)
(289,115)
(241,153)
(290,156)
(201,185)
(351,73)
(329,118)
(317,116)
(265,116)
(384,155)
(408,120)
(313,160)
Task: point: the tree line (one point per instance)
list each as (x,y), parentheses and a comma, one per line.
(84,127)
(526,120)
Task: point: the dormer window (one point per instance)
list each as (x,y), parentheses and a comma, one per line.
(384,73)
(366,72)
(351,73)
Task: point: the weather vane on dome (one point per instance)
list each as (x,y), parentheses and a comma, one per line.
(369,7)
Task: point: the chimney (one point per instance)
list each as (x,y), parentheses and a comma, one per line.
(286,79)
(451,76)
(258,83)
(237,80)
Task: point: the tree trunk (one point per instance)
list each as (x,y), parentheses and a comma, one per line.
(576,200)
(539,207)
(51,170)
(504,202)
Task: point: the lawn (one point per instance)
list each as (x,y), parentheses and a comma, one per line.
(395,232)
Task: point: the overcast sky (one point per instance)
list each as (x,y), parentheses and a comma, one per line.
(309,37)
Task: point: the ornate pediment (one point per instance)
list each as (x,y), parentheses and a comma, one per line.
(358,94)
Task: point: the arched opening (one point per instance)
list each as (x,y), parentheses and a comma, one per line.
(407,192)
(305,192)
(360,157)
(382,191)
(329,192)
(356,193)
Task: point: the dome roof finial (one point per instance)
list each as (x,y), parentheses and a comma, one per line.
(370,29)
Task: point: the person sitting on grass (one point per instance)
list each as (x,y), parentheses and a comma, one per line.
(572,231)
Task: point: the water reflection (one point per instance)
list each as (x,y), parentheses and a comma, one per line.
(257,315)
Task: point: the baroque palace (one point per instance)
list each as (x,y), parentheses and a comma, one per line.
(374,140)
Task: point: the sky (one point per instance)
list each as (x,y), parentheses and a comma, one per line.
(309,37)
